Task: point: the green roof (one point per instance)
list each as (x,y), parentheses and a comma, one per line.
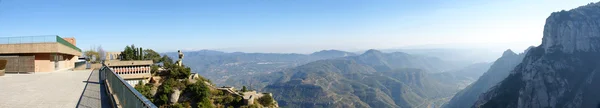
(64,42)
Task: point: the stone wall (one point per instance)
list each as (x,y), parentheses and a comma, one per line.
(51,47)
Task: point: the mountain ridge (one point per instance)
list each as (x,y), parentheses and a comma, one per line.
(499,70)
(366,80)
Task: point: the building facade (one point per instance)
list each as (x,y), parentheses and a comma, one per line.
(133,72)
(112,56)
(39,53)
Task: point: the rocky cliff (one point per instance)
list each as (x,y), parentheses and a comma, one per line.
(496,73)
(562,72)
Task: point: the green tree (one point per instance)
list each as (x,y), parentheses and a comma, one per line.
(144,90)
(166,60)
(177,105)
(150,54)
(163,100)
(228,99)
(154,69)
(199,90)
(127,53)
(165,89)
(91,54)
(205,103)
(244,89)
(266,100)
(132,53)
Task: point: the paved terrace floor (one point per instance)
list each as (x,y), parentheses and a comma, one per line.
(65,89)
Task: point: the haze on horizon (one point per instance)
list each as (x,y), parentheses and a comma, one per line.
(284,26)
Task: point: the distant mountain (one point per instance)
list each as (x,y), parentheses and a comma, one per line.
(398,60)
(562,72)
(220,66)
(373,79)
(460,57)
(496,73)
(331,54)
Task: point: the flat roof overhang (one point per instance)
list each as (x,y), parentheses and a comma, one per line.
(114,63)
(47,47)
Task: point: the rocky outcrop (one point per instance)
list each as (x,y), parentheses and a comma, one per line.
(573,30)
(562,72)
(174,98)
(496,73)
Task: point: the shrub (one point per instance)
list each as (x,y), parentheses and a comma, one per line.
(205,103)
(144,90)
(266,100)
(199,90)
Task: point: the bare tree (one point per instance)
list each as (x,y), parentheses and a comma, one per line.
(102,53)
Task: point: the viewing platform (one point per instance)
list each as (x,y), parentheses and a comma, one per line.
(62,89)
(101,88)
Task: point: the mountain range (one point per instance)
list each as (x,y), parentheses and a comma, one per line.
(373,79)
(220,66)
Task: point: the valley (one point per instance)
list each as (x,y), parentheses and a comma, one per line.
(339,78)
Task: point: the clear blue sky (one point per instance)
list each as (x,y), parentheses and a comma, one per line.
(299,26)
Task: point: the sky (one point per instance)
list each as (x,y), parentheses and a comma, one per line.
(284,26)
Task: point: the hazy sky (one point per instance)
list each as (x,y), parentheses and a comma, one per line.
(299,26)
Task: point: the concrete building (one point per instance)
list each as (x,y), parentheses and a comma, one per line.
(132,71)
(112,55)
(39,53)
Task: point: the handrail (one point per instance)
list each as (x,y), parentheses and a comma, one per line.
(121,93)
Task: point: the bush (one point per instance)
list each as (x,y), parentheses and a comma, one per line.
(199,90)
(177,105)
(162,100)
(154,69)
(144,90)
(205,103)
(266,100)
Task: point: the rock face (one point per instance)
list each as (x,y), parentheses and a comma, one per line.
(572,31)
(562,72)
(175,96)
(496,73)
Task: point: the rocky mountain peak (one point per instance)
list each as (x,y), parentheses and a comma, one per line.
(372,51)
(576,30)
(509,53)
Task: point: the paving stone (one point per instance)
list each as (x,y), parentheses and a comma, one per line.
(65,89)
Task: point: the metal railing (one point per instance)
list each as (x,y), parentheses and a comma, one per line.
(28,39)
(122,94)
